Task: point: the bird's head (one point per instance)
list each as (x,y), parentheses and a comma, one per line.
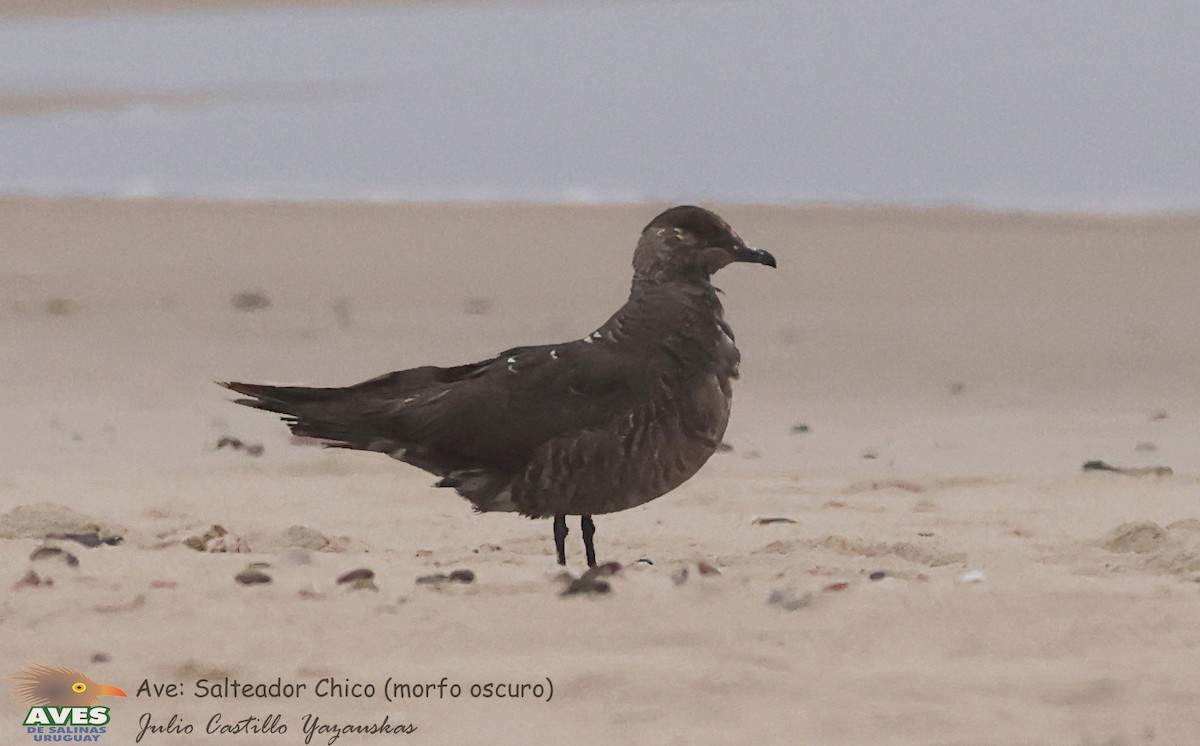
(691,243)
(54,686)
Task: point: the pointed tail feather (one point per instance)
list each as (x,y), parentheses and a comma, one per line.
(334,415)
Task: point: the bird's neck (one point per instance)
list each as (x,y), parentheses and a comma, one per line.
(672,306)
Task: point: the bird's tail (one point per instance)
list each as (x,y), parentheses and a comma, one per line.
(335,416)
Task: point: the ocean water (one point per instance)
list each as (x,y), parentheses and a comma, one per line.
(1034,105)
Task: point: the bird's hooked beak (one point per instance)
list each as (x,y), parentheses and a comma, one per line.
(746,253)
(104,690)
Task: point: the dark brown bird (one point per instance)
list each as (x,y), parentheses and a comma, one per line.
(54,686)
(597,425)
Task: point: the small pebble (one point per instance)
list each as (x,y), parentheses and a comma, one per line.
(644,561)
(706,569)
(435,579)
(250,300)
(101,657)
(680,576)
(972,576)
(90,540)
(788,600)
(236,444)
(833,587)
(769,521)
(801,428)
(44,553)
(361,573)
(586,586)
(252,577)
(462,576)
(877,575)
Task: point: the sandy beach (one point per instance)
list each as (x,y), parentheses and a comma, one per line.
(920,390)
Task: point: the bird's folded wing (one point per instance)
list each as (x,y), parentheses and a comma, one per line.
(498,411)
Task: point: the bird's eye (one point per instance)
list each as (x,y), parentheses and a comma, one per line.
(79,687)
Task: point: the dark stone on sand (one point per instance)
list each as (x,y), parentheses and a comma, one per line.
(44,553)
(90,540)
(769,521)
(353,576)
(250,300)
(237,444)
(1144,471)
(877,575)
(462,576)
(252,577)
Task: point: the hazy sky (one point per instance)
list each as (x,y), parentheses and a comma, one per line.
(1083,105)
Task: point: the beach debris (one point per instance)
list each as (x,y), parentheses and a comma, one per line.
(39,520)
(706,569)
(486,549)
(644,561)
(250,300)
(360,579)
(1139,538)
(972,576)
(90,539)
(680,576)
(343,312)
(32,580)
(61,306)
(476,306)
(306,537)
(835,587)
(870,454)
(1143,471)
(217,539)
(769,521)
(789,600)
(800,428)
(591,582)
(133,604)
(47,552)
(877,575)
(237,444)
(438,579)
(252,576)
(101,657)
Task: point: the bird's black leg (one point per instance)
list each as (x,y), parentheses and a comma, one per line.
(589,530)
(560,537)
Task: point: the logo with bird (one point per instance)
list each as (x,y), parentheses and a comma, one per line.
(62,700)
